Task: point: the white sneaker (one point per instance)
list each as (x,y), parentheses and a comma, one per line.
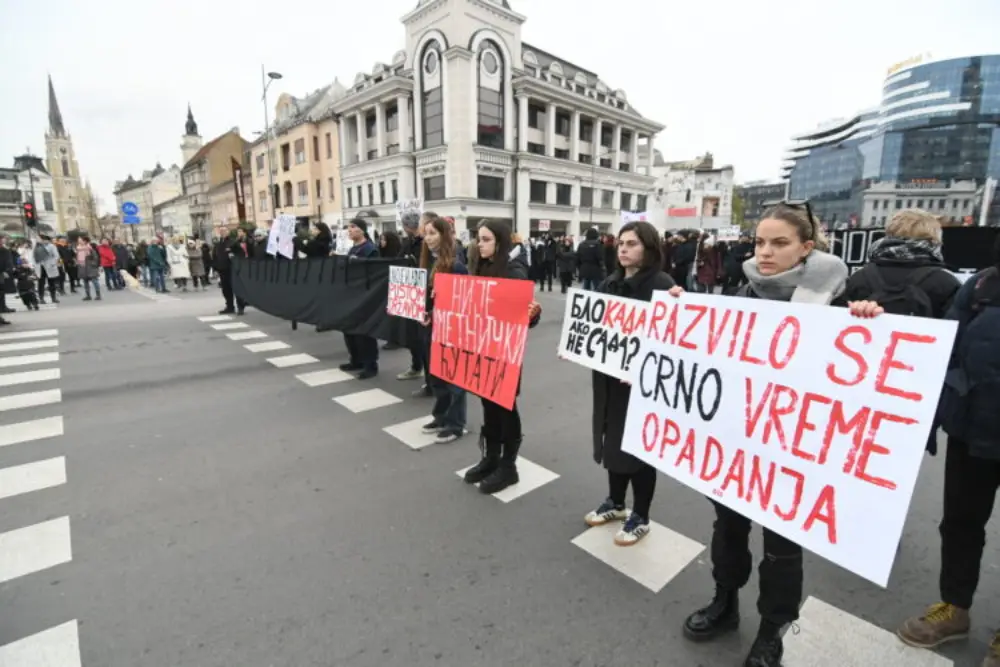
(606,513)
(634,529)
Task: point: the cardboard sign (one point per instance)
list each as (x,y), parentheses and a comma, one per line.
(407,206)
(286,235)
(407,292)
(480,332)
(602,332)
(272,239)
(800,417)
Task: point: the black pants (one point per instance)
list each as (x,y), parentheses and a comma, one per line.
(970,486)
(363,351)
(74,277)
(643,487)
(545,274)
(566,280)
(53,283)
(501,425)
(780,570)
(226,282)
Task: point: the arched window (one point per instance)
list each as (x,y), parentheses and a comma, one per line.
(277,198)
(65,167)
(288,193)
(489,119)
(431,95)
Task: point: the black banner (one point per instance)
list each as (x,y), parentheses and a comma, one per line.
(963,247)
(336,293)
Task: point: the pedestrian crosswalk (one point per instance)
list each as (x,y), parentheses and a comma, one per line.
(27,550)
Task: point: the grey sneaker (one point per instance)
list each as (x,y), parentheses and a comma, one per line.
(410,374)
(942,622)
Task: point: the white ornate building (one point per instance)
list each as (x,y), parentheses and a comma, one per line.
(479,124)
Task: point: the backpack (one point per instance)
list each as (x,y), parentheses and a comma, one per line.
(904,298)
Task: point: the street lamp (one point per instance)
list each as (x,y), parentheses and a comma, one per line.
(266,78)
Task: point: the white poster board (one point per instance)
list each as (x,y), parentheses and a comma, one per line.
(629,216)
(544,225)
(731,233)
(272,239)
(343,242)
(286,235)
(405,207)
(407,292)
(800,417)
(602,332)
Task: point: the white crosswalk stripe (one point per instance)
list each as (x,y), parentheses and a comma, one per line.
(28,345)
(214,318)
(320,378)
(269,346)
(24,551)
(293,360)
(34,476)
(371,399)
(21,335)
(25,377)
(37,429)
(246,335)
(30,400)
(55,647)
(228,326)
(411,433)
(29,359)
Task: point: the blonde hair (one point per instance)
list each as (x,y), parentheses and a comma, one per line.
(916,224)
(516,239)
(807,229)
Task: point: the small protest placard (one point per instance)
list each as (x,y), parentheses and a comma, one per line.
(286,235)
(802,418)
(480,332)
(602,332)
(272,239)
(728,234)
(407,292)
(406,207)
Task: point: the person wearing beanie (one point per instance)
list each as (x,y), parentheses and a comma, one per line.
(590,258)
(412,242)
(363,350)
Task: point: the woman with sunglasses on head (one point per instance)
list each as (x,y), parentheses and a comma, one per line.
(493,254)
(790,263)
(637,276)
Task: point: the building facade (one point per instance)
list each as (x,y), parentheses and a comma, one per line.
(173,217)
(954,202)
(210,166)
(156,186)
(26,181)
(757,197)
(692,194)
(74,203)
(477,123)
(938,125)
(304,160)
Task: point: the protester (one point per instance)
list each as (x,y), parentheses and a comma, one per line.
(107,258)
(590,257)
(637,277)
(969,416)
(389,244)
(566,260)
(708,268)
(732,265)
(88,264)
(318,244)
(437,257)
(7,283)
(685,250)
(222,262)
(411,248)
(156,256)
(177,259)
(196,265)
(494,255)
(46,258)
(790,264)
(363,349)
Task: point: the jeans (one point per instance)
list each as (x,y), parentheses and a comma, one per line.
(643,486)
(144,272)
(449,404)
(112,278)
(157,280)
(97,286)
(590,284)
(970,487)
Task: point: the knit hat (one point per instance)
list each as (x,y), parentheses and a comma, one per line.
(361,224)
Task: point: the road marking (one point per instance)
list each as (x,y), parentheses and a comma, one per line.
(371,399)
(214,318)
(24,377)
(37,333)
(820,642)
(532,476)
(28,345)
(30,400)
(293,360)
(32,477)
(28,359)
(653,562)
(55,647)
(35,548)
(410,433)
(269,346)
(320,378)
(246,335)
(37,429)
(228,326)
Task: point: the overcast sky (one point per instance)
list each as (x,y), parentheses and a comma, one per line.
(732,77)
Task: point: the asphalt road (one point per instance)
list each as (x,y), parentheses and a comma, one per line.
(183,501)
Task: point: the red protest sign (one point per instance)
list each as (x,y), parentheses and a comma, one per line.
(407,290)
(480,332)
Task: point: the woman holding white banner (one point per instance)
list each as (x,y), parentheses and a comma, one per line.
(790,264)
(637,277)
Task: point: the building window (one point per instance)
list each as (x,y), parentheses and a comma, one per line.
(534,112)
(640,203)
(260,164)
(329,146)
(920,203)
(562,124)
(392,149)
(262,197)
(490,187)
(432,106)
(303,193)
(606,162)
(563,194)
(47,201)
(329,188)
(319,191)
(899,204)
(371,194)
(537,194)
(434,188)
(490,130)
(607,198)
(626,201)
(537,149)
(626,143)
(381,192)
(562,153)
(372,154)
(288,193)
(350,198)
(360,200)
(370,125)
(586,159)
(65,167)
(624,166)
(300,151)
(586,197)
(395,191)
(315,148)
(586,130)
(392,118)
(286,153)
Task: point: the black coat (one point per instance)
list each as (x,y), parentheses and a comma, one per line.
(566,258)
(939,286)
(7,270)
(611,394)
(590,256)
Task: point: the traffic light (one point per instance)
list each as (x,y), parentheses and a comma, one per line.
(28,208)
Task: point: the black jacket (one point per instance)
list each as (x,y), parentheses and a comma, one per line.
(566,258)
(590,256)
(940,285)
(611,394)
(318,246)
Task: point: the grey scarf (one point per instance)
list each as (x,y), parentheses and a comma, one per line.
(819,279)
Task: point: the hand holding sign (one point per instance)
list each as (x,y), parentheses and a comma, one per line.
(865,309)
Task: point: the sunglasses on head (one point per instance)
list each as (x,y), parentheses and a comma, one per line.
(802,205)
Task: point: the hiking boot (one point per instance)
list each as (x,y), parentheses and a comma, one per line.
(942,622)
(606,512)
(720,616)
(505,475)
(992,658)
(490,452)
(765,652)
(634,529)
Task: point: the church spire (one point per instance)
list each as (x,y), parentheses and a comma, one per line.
(56,127)
(190,127)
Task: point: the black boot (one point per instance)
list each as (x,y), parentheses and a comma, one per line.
(490,452)
(722,615)
(767,648)
(506,473)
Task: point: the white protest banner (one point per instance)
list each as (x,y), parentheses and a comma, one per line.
(800,417)
(602,332)
(407,292)
(544,225)
(343,242)
(629,216)
(407,207)
(731,233)
(272,239)
(286,235)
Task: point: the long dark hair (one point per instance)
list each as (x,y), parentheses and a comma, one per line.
(652,251)
(393,246)
(323,231)
(496,266)
(445,253)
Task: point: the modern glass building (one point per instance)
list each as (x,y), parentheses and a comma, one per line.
(938,123)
